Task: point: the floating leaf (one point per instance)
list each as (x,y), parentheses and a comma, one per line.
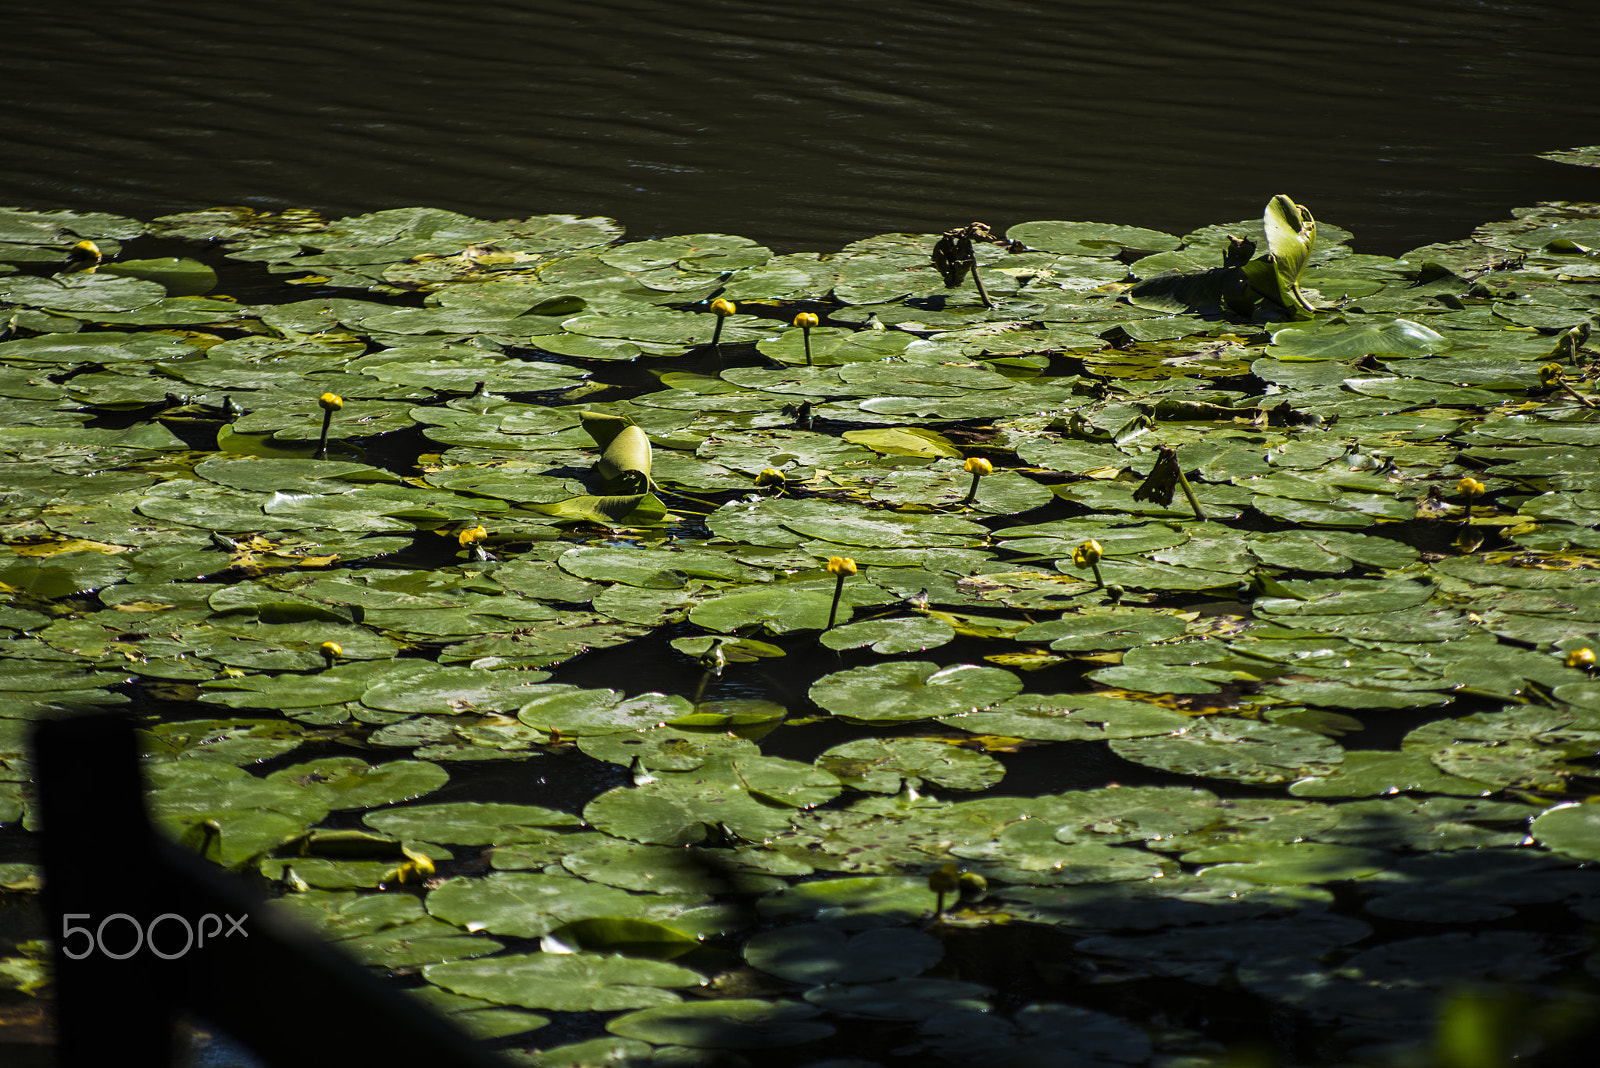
(725,1024)
(914,689)
(574,982)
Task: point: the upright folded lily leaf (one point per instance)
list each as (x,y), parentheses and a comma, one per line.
(624,464)
(1291,234)
(624,452)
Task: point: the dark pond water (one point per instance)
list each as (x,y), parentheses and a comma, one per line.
(806,127)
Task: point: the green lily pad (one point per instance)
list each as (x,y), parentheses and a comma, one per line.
(686,808)
(900,999)
(726,1024)
(469,822)
(779,608)
(1570,829)
(914,634)
(1246,751)
(1072,717)
(880,765)
(576,982)
(815,954)
(349,782)
(1401,337)
(913,689)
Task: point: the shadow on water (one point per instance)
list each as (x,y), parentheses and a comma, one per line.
(1235,966)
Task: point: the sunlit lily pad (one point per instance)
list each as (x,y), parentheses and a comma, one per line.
(469,822)
(908,690)
(881,765)
(1247,751)
(574,982)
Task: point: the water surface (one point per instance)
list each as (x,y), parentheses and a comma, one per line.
(806,128)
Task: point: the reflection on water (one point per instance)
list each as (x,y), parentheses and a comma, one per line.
(805,128)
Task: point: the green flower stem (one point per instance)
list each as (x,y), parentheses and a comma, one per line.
(972,494)
(1189,493)
(838,591)
(327,424)
(983,294)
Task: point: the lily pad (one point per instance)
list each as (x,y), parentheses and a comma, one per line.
(913,689)
(574,982)
(815,954)
(727,1024)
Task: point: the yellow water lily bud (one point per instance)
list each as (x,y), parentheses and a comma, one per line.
(722,307)
(292,882)
(331,650)
(1087,555)
(87,250)
(417,869)
(977,465)
(841,565)
(1549,374)
(471,537)
(1581,658)
(770,476)
(1470,487)
(331,402)
(806,320)
(944,879)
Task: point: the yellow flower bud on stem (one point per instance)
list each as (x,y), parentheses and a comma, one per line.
(1088,555)
(723,308)
(331,651)
(1552,376)
(976,466)
(1470,488)
(805,321)
(943,880)
(330,403)
(472,540)
(1583,659)
(839,567)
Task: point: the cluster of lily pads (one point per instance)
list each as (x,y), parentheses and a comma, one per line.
(1327,713)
